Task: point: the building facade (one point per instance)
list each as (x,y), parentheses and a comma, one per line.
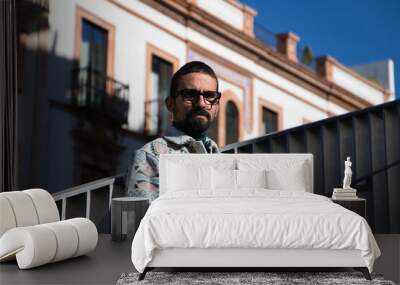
(122,53)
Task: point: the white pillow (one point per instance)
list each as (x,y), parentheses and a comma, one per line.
(251,178)
(282,174)
(227,179)
(290,178)
(223,179)
(183,177)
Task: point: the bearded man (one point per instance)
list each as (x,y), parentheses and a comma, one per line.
(194,104)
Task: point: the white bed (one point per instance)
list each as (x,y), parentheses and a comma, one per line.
(231,219)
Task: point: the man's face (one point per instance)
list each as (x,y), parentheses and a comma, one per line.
(198,115)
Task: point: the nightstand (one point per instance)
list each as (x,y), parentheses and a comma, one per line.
(357,205)
(126,214)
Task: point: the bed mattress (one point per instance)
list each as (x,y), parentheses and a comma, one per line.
(250,219)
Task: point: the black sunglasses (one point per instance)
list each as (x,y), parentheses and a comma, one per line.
(192,95)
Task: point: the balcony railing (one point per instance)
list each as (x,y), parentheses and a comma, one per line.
(266,36)
(98,93)
(42,4)
(269,38)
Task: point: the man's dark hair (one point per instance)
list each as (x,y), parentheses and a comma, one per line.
(190,67)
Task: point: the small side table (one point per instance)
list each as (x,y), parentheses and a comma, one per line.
(126,214)
(357,205)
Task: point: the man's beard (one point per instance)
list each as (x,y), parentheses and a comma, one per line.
(195,127)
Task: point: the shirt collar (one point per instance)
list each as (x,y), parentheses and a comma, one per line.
(178,137)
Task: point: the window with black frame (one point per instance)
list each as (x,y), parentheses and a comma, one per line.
(92,64)
(269,121)
(231,123)
(161,75)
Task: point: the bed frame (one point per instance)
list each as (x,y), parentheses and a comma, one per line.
(242,258)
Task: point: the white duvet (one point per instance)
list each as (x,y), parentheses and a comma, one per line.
(252,218)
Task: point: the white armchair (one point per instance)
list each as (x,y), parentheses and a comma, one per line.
(31,230)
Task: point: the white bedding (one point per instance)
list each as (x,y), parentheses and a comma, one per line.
(251,218)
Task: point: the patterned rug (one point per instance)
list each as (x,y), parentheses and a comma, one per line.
(225,278)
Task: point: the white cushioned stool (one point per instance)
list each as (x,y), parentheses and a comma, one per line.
(31,230)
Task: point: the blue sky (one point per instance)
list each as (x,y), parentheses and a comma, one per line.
(352,31)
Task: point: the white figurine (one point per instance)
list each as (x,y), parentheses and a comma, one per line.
(347,174)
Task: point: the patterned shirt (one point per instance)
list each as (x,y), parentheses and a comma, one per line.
(142,178)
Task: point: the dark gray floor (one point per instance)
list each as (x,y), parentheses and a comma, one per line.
(389,263)
(102,266)
(111,259)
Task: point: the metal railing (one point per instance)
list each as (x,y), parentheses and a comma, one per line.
(87,189)
(266,36)
(97,92)
(304,52)
(43,4)
(371,137)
